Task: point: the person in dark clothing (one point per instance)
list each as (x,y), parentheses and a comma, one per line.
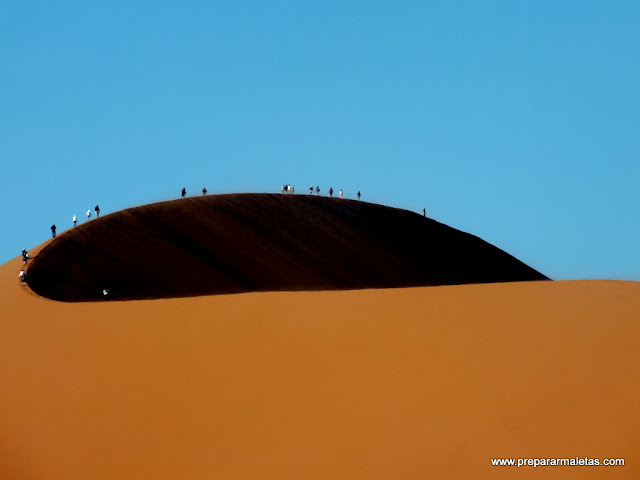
(184,192)
(424,212)
(53,231)
(97,209)
(331,191)
(23,278)
(358,195)
(25,256)
(317,190)
(204,191)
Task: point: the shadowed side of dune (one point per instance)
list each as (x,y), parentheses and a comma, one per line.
(261,242)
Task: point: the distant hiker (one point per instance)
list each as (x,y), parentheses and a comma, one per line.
(23,277)
(331,191)
(88,215)
(184,192)
(204,191)
(424,212)
(105,294)
(75,220)
(317,190)
(358,194)
(97,209)
(53,231)
(311,190)
(25,256)
(341,194)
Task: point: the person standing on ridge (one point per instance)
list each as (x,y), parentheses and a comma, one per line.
(317,190)
(358,194)
(184,192)
(97,209)
(341,194)
(23,277)
(75,220)
(204,191)
(53,231)
(311,190)
(331,191)
(424,212)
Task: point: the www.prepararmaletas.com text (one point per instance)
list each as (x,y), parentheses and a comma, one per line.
(558,462)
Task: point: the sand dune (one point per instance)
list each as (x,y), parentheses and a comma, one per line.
(401,383)
(259,242)
(410,383)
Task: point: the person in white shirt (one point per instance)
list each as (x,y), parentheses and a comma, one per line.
(341,194)
(88,215)
(75,220)
(23,278)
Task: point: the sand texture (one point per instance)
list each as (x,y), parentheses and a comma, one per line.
(402,383)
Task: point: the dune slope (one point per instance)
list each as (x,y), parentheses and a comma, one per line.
(375,384)
(260,242)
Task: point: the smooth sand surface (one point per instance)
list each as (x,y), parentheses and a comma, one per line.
(409,383)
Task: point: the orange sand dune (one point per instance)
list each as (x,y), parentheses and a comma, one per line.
(410,383)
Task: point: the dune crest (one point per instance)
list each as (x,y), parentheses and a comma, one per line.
(238,243)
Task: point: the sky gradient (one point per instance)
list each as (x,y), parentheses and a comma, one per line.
(515,121)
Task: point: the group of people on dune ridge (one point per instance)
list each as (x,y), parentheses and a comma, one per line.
(183,193)
(54,229)
(289,189)
(75,220)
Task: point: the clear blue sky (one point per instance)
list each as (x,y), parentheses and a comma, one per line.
(517,121)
